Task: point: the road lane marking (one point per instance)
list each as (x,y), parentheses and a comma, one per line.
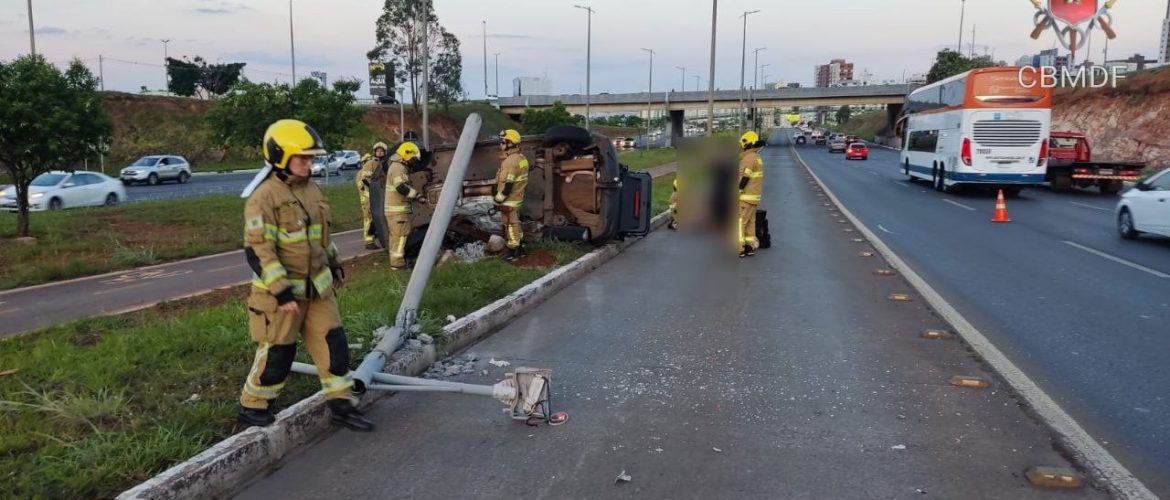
(1118,260)
(121,288)
(1089,453)
(960,205)
(224,268)
(901,183)
(883,228)
(1091,206)
(6,311)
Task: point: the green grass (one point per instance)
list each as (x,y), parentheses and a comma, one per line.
(226,165)
(660,194)
(643,159)
(91,241)
(101,404)
(863,125)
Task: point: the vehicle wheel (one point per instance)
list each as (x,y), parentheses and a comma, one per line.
(152,180)
(1110,187)
(1125,225)
(572,134)
(111,199)
(934,178)
(906,172)
(1061,183)
(56,204)
(942,180)
(183,177)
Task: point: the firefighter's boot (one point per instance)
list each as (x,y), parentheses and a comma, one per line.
(255,417)
(346,414)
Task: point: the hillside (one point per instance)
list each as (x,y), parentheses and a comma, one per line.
(1128,122)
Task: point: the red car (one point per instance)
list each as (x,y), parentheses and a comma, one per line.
(858,151)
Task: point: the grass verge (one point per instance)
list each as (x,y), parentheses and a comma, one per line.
(91,241)
(660,194)
(101,404)
(642,159)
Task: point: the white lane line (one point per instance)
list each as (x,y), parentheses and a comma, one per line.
(1118,260)
(1089,453)
(1091,206)
(121,288)
(960,205)
(903,184)
(883,228)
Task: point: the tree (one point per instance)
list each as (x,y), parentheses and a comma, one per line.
(537,121)
(949,63)
(188,78)
(49,120)
(399,40)
(241,117)
(843,114)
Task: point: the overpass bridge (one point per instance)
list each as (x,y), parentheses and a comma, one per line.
(677,104)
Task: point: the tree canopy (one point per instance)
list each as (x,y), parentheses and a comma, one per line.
(49,120)
(949,63)
(188,78)
(243,114)
(399,40)
(535,121)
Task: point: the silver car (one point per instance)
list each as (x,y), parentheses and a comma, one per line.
(156,169)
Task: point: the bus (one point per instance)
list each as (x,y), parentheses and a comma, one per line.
(986,127)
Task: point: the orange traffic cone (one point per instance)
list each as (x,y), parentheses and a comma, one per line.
(1001,214)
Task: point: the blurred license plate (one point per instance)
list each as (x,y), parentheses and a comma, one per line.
(1106,171)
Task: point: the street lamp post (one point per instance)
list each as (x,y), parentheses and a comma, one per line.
(497,54)
(649,97)
(32,39)
(743,64)
(711,73)
(684,77)
(166,75)
(756,75)
(962,14)
(292,49)
(696,77)
(485,87)
(763,76)
(588,57)
(401,114)
(426,75)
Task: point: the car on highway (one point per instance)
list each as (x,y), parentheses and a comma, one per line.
(322,164)
(345,160)
(1145,208)
(837,145)
(58,190)
(799,138)
(628,142)
(156,169)
(857,151)
(386,99)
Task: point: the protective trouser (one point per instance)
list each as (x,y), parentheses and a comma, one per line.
(399,228)
(367,217)
(747,225)
(513,231)
(275,332)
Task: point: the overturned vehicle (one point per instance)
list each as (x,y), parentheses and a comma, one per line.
(577,191)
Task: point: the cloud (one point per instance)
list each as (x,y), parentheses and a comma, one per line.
(508,36)
(222,8)
(50,30)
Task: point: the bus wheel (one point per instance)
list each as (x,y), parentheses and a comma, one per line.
(942,181)
(934,178)
(906,172)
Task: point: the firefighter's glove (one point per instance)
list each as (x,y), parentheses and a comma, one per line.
(338,277)
(499,198)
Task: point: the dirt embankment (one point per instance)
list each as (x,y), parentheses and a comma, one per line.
(1129,122)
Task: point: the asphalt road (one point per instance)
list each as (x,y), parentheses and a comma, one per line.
(786,375)
(26,309)
(208,184)
(1082,312)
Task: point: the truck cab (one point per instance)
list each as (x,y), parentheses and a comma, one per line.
(1071,164)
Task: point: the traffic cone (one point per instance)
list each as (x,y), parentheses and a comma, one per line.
(1001,214)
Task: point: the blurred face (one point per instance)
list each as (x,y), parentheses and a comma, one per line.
(379,152)
(503,145)
(300,165)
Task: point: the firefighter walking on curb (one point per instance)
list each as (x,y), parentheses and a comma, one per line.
(511,180)
(751,189)
(399,201)
(369,166)
(295,270)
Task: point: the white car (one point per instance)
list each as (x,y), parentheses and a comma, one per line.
(1145,208)
(155,169)
(321,164)
(347,159)
(57,190)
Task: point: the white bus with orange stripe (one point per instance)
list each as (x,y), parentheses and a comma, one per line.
(983,127)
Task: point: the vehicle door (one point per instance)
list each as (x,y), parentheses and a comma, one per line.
(90,186)
(180,164)
(73,191)
(1155,215)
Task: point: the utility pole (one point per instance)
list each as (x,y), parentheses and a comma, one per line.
(32,38)
(684,77)
(649,97)
(401,114)
(756,74)
(426,62)
(962,15)
(485,87)
(972,40)
(101,73)
(696,77)
(588,58)
(742,66)
(497,54)
(292,50)
(711,73)
(166,74)
(763,77)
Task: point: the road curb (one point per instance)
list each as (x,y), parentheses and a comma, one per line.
(227,466)
(1082,447)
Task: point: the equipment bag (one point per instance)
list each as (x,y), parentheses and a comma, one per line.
(762,232)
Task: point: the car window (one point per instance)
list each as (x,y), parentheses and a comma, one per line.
(87,179)
(47,179)
(1162,183)
(164,161)
(145,161)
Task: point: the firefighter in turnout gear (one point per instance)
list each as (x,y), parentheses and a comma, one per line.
(673,204)
(751,188)
(295,272)
(369,166)
(511,180)
(399,201)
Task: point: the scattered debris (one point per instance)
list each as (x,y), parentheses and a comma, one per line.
(193,399)
(498,363)
(898,447)
(451,318)
(483,373)
(471,252)
(414,344)
(426,339)
(7,373)
(452,366)
(717,450)
(623,477)
(380,333)
(920,490)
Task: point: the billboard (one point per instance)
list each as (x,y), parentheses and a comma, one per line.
(381,75)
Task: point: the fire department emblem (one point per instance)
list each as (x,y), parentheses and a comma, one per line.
(1071,20)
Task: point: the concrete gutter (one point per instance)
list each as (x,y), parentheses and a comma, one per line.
(224,468)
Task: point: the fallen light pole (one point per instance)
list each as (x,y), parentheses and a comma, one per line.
(525,391)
